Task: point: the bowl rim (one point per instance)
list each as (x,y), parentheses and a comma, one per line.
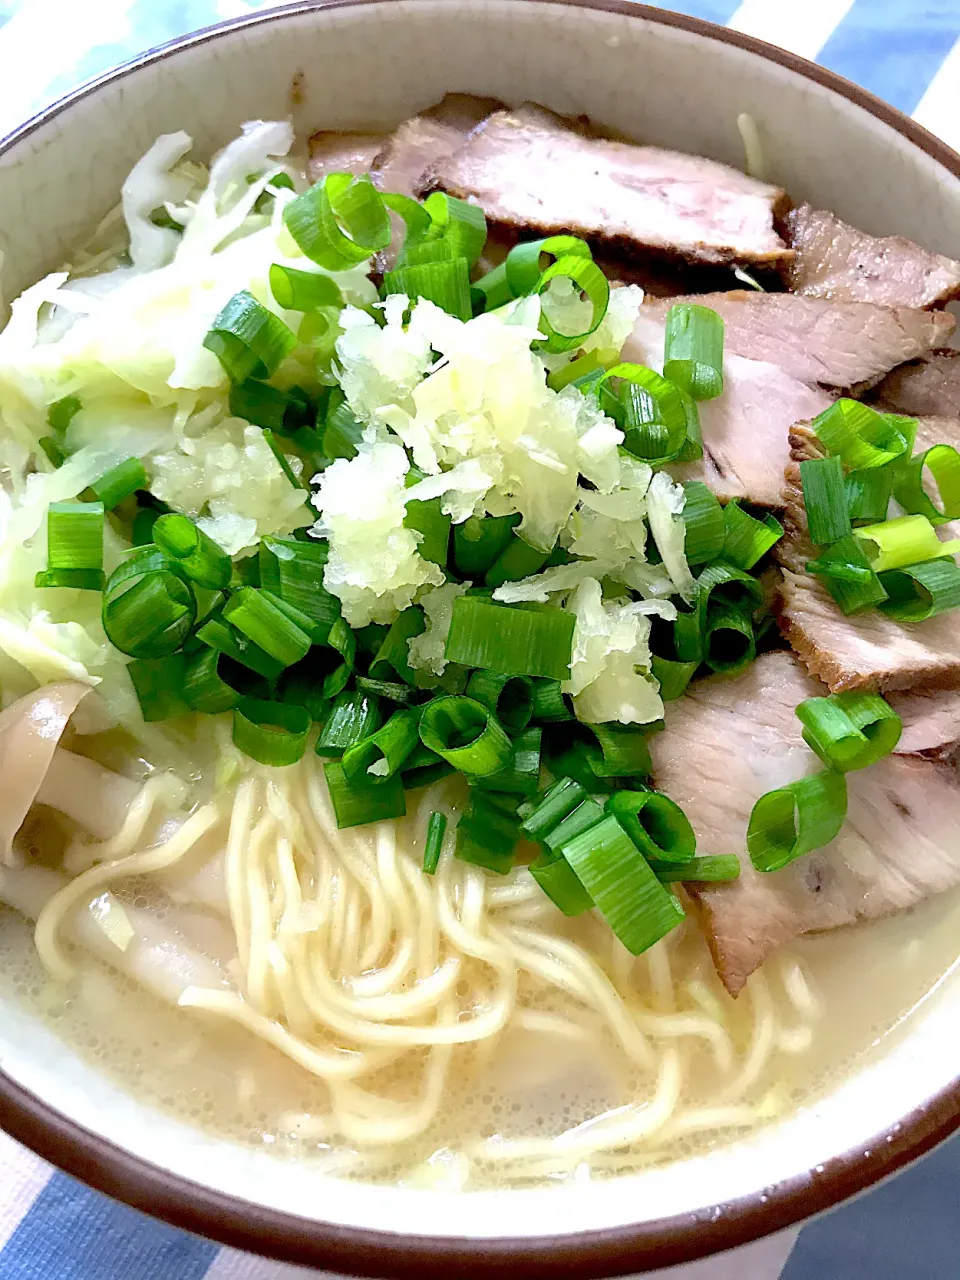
(616,1251)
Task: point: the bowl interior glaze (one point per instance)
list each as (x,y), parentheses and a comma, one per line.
(661,78)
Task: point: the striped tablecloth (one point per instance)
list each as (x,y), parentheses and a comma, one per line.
(51,1228)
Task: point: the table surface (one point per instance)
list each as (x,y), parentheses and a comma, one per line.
(52,1228)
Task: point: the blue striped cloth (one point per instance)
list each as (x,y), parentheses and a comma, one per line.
(52,1228)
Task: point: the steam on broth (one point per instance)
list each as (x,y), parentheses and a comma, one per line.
(340,514)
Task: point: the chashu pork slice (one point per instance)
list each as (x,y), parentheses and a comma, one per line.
(745,448)
(837,345)
(729,740)
(928,386)
(840,263)
(427,138)
(331,152)
(531,170)
(868,650)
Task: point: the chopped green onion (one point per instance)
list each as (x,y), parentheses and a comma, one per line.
(578,759)
(521,775)
(510,698)
(342,640)
(479,542)
(589,279)
(283,462)
(355,805)
(586,815)
(62,412)
(861,437)
(487,833)
(522,264)
(796,819)
(424,768)
(518,560)
(825,499)
(248,340)
(55,454)
(590,362)
(747,539)
(847,574)
(393,655)
(692,448)
(849,730)
(445,283)
(74,579)
(293,570)
(656,825)
(426,518)
(466,734)
(559,882)
(196,554)
(461,225)
(693,350)
(704,520)
(148,607)
(710,870)
(942,462)
(120,482)
(266,406)
(729,644)
(550,704)
(353,717)
(920,591)
(902,541)
(75,535)
(319,330)
(624,749)
(519,642)
(159,685)
(673,677)
(258,616)
(655,420)
(342,432)
(273,733)
(382,754)
(624,888)
(204,689)
(303,290)
(393,691)
(225,639)
(491,290)
(549,811)
(417,222)
(339,222)
(869,493)
(143,522)
(436,830)
(719,585)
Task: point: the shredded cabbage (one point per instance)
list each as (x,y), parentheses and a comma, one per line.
(609,670)
(486,401)
(151,185)
(426,651)
(665,499)
(374,567)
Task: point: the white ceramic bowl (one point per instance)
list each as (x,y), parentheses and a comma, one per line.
(669,80)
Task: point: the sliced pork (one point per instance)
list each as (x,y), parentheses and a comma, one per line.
(745,430)
(343,153)
(868,651)
(427,138)
(843,264)
(531,170)
(928,386)
(831,344)
(727,742)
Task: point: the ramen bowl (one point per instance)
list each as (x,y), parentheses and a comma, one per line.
(669,80)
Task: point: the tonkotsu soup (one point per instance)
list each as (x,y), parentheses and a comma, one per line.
(404,761)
